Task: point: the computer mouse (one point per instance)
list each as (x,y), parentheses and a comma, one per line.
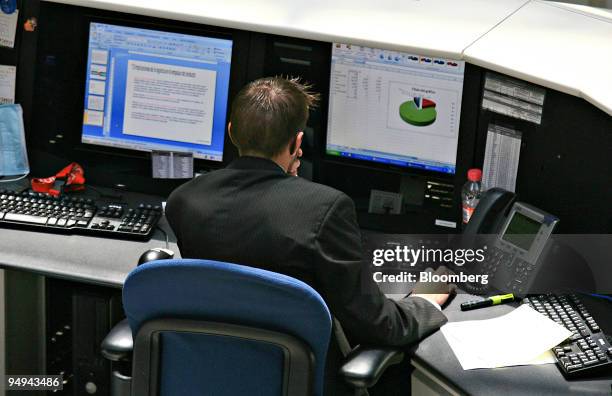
(155,254)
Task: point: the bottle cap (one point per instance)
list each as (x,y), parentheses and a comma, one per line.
(474,175)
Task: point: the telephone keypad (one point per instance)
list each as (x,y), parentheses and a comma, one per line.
(496,258)
(506,263)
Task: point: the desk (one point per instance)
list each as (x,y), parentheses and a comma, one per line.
(107,262)
(438,372)
(38,258)
(88,259)
(101,261)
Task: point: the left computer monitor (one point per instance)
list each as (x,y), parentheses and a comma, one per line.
(151,90)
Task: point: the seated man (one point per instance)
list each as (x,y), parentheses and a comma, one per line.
(256,212)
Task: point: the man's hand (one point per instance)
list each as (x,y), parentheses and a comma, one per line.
(295,164)
(437,292)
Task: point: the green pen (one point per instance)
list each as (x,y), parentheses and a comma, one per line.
(493,300)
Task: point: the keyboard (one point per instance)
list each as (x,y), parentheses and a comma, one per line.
(588,352)
(46,213)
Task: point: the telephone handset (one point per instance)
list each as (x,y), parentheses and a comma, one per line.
(492,209)
(517,236)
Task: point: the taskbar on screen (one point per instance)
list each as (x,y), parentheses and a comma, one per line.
(397,162)
(139,147)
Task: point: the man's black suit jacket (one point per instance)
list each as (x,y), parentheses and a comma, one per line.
(253,213)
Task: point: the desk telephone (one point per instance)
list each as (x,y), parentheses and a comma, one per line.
(523,259)
(521,256)
(517,237)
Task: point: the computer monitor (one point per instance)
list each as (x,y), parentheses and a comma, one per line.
(151,90)
(394,108)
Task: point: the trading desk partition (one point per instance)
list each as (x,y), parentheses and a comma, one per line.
(552,150)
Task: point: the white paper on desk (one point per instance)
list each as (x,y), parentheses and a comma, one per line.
(8,28)
(469,361)
(517,338)
(7,84)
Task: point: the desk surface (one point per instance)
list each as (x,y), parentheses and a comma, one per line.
(90,259)
(101,261)
(436,355)
(107,262)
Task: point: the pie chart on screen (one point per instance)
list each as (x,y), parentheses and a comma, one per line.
(419,111)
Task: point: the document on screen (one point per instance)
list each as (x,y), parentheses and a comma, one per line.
(169,102)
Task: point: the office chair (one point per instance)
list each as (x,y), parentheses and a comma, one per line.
(214,328)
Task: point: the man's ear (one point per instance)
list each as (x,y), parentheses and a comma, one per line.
(229,132)
(296,143)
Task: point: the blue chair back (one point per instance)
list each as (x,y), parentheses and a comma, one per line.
(210,363)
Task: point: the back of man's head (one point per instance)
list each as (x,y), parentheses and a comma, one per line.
(268,113)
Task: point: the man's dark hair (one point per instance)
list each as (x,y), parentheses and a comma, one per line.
(268,113)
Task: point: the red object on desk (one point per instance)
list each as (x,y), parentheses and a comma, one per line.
(73,176)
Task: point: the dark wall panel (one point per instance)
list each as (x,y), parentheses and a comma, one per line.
(565,164)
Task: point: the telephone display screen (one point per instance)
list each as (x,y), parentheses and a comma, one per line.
(521,231)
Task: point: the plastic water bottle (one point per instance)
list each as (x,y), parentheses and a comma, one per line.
(470,194)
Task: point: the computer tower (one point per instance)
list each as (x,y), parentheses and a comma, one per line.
(78,318)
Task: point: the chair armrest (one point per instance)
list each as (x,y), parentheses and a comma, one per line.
(364,365)
(118,343)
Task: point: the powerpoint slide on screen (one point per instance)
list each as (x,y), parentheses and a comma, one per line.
(150,90)
(167,100)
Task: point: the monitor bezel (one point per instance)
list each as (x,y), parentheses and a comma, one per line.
(208,32)
(363,163)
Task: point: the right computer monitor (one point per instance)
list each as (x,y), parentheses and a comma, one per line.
(394,108)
